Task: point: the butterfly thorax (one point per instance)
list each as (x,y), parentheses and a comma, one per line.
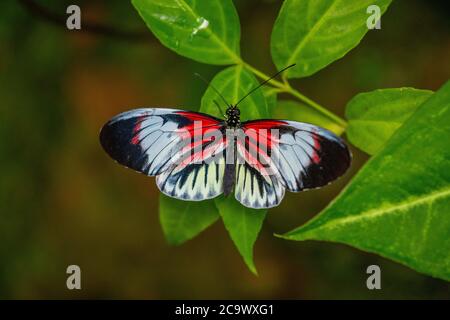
(233,118)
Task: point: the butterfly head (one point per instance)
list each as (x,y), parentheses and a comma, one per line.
(233,116)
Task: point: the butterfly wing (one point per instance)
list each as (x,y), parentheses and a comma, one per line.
(296,155)
(178,147)
(198,175)
(255,190)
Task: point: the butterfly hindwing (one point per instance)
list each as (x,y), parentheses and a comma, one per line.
(255,190)
(195,181)
(198,175)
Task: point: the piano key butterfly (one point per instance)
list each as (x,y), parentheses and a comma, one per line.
(195,156)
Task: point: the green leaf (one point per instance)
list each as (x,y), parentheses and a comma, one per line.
(243,224)
(314,33)
(183,220)
(398,205)
(374,116)
(292,110)
(206,31)
(270,94)
(234,83)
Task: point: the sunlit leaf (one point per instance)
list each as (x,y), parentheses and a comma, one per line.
(292,110)
(374,116)
(183,220)
(206,31)
(398,205)
(270,94)
(314,33)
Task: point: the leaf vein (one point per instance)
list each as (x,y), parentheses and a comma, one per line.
(398,208)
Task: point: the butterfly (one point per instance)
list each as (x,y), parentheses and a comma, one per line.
(196,156)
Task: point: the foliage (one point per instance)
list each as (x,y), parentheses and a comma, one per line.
(396,205)
(206,31)
(233,83)
(315,33)
(406,219)
(182,221)
(374,116)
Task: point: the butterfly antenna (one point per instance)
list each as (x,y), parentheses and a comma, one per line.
(263,83)
(218,107)
(209,84)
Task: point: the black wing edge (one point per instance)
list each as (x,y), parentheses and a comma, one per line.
(116,137)
(334,161)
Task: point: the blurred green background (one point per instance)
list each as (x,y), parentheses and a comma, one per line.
(63,201)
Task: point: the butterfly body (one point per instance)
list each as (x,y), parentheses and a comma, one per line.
(233,117)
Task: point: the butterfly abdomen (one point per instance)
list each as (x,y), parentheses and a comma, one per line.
(229,178)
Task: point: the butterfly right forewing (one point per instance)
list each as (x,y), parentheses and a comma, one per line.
(279,155)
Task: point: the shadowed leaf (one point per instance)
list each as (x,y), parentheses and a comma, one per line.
(243,224)
(183,220)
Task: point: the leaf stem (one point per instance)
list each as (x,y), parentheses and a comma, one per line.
(285,87)
(318,107)
(263,76)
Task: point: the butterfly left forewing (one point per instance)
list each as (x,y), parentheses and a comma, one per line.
(183,149)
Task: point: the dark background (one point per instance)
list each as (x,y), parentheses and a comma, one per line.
(63,201)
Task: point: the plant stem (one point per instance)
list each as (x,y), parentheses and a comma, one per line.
(263,76)
(318,107)
(285,87)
